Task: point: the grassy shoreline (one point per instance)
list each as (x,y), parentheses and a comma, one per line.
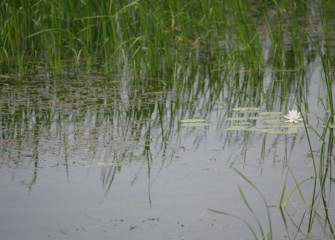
(156,35)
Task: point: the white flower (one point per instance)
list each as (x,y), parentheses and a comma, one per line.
(293,116)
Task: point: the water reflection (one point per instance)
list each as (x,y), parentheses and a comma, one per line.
(85,119)
(129,132)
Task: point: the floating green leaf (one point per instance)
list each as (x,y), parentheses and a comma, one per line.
(272,114)
(293,125)
(282,131)
(195,124)
(237,119)
(274,121)
(101,164)
(246,109)
(237,128)
(271,122)
(192,120)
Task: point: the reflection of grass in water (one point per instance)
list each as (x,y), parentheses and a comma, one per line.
(321,165)
(233,59)
(321,162)
(93,122)
(319,209)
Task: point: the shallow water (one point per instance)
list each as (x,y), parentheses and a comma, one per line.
(88,157)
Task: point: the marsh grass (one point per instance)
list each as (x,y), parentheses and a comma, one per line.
(237,53)
(149,35)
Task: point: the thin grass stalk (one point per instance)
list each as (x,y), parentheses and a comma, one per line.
(239,218)
(263,199)
(325,155)
(310,222)
(285,222)
(281,205)
(252,212)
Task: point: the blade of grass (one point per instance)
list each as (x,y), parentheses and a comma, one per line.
(263,199)
(252,211)
(239,218)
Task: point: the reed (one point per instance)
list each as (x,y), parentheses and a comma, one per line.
(261,52)
(149,34)
(263,235)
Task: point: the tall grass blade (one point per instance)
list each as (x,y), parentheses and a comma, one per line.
(239,218)
(263,199)
(252,211)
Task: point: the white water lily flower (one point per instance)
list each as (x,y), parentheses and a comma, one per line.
(293,116)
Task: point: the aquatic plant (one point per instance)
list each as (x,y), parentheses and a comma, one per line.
(263,235)
(197,54)
(293,116)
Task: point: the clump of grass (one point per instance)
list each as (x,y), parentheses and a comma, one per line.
(149,35)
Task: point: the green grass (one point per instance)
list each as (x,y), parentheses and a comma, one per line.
(260,51)
(153,34)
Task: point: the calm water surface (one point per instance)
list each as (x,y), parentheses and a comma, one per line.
(89,157)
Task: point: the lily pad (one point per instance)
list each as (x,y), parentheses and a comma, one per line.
(237,119)
(260,118)
(237,128)
(242,124)
(195,124)
(272,114)
(101,164)
(262,128)
(293,125)
(247,109)
(274,121)
(279,131)
(192,120)
(267,122)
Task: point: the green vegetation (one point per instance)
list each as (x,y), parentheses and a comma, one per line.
(250,53)
(153,36)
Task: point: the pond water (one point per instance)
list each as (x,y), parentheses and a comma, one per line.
(95,157)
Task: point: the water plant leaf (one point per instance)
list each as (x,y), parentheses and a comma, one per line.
(272,114)
(274,121)
(237,119)
(237,217)
(293,125)
(101,164)
(262,128)
(237,128)
(245,200)
(192,120)
(260,118)
(282,131)
(195,124)
(263,199)
(247,109)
